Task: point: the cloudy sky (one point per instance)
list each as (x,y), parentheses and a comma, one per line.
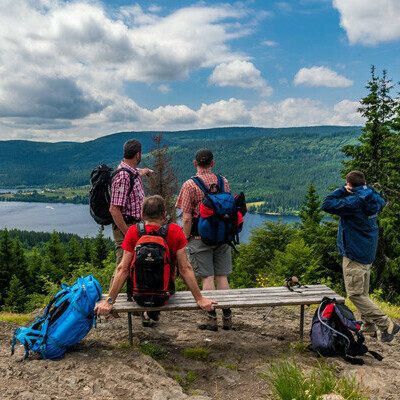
(77,70)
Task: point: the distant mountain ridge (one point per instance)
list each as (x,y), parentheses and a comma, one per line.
(263,161)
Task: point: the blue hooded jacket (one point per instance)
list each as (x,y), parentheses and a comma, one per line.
(358,228)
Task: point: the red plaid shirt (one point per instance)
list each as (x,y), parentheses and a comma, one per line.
(119,192)
(191,196)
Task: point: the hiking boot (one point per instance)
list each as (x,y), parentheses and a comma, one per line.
(146,321)
(388,334)
(208,322)
(227,322)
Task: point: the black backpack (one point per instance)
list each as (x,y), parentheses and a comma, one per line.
(152,270)
(100,188)
(336,332)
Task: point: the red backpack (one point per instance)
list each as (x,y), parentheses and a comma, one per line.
(152,269)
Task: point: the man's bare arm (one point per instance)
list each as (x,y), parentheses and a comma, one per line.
(121,274)
(187,224)
(188,276)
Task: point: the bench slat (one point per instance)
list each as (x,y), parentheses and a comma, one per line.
(238,298)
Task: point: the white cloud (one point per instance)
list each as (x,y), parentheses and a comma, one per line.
(164,88)
(241,74)
(67,61)
(305,112)
(269,43)
(369,21)
(321,76)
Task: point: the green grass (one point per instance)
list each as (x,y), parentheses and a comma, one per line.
(12,317)
(289,382)
(153,351)
(300,347)
(195,353)
(229,366)
(185,380)
(124,345)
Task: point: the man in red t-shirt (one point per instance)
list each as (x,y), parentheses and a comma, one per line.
(154,214)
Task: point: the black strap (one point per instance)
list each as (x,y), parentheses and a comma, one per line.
(375,355)
(131,178)
(199,182)
(163,231)
(221,184)
(353,360)
(141,230)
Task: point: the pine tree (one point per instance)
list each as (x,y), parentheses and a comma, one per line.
(100,252)
(19,266)
(378,156)
(16,297)
(163,181)
(310,215)
(74,254)
(5,262)
(87,251)
(54,267)
(34,269)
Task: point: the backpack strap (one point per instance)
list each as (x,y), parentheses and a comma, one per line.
(199,182)
(221,184)
(163,231)
(131,177)
(141,230)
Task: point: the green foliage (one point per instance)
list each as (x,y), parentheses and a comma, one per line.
(74,254)
(5,262)
(13,317)
(255,257)
(195,353)
(100,250)
(153,351)
(15,297)
(289,382)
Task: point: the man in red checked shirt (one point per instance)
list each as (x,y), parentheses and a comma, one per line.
(154,214)
(126,202)
(209,262)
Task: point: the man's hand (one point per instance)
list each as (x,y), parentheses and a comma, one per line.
(206,304)
(145,172)
(348,188)
(103,309)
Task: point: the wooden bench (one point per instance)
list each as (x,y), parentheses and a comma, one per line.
(236,298)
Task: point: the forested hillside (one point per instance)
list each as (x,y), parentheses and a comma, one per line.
(271,165)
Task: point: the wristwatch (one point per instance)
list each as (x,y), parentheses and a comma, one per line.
(110,300)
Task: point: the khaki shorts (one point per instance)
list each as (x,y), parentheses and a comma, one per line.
(209,260)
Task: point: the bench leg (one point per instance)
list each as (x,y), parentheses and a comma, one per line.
(130,329)
(301,322)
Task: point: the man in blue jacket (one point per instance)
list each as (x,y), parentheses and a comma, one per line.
(358,205)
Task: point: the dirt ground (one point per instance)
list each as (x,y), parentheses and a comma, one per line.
(104,367)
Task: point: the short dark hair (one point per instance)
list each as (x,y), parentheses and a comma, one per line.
(355,178)
(153,207)
(131,148)
(204,158)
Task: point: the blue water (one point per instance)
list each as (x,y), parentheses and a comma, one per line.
(75,218)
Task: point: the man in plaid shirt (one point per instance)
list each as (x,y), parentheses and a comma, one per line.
(126,210)
(211,263)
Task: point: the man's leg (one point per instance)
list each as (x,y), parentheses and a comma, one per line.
(223,266)
(355,276)
(369,327)
(201,258)
(119,252)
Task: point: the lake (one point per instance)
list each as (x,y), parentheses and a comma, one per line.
(75,218)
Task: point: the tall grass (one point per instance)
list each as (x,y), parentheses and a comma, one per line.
(289,382)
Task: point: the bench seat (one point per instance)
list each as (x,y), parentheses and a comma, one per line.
(236,298)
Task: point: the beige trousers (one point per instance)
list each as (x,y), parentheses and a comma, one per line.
(356,280)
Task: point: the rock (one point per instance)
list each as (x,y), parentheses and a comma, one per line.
(229,375)
(332,397)
(170,394)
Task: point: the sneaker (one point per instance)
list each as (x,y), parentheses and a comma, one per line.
(388,334)
(208,322)
(227,322)
(146,321)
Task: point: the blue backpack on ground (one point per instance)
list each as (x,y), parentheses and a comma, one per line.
(67,319)
(219,221)
(336,332)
